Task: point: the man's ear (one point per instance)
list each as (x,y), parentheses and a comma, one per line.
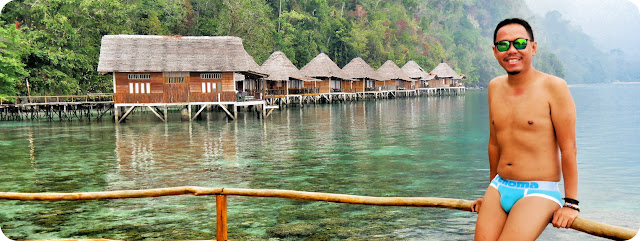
(534,48)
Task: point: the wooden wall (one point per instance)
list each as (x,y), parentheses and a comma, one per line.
(359,85)
(138,98)
(163,92)
(122,82)
(323,86)
(436,83)
(228,84)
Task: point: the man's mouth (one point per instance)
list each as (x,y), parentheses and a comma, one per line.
(512,60)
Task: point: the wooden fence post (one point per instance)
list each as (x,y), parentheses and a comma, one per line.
(221,216)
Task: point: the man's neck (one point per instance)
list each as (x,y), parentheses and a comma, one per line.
(523,78)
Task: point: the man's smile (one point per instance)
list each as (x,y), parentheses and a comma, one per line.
(513,60)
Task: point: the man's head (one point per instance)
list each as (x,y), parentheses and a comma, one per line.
(514,45)
(519,21)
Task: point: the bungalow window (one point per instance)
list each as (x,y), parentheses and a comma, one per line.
(209,87)
(211,76)
(175,80)
(139,88)
(139,76)
(175,77)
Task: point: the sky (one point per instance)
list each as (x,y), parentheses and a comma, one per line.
(611,24)
(636,2)
(4,2)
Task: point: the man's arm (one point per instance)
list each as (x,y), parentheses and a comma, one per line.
(563,116)
(493,149)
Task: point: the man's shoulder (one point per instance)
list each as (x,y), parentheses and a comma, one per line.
(553,82)
(497,81)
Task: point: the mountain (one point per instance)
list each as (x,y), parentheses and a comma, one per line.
(611,25)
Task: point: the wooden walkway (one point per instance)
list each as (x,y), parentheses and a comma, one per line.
(301,100)
(61,108)
(122,111)
(96,106)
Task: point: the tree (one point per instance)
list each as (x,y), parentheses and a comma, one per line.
(12,72)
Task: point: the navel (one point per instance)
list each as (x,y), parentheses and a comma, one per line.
(530,122)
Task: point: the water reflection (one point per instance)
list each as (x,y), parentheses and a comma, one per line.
(162,155)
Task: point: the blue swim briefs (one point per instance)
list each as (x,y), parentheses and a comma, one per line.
(512,191)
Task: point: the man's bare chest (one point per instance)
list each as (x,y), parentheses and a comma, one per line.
(520,112)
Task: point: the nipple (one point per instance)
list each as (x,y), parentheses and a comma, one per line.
(530,122)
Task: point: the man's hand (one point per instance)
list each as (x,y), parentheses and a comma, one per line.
(475,205)
(563,217)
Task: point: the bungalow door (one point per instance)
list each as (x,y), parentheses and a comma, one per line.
(176,87)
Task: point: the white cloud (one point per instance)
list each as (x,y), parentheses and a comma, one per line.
(2,3)
(637,3)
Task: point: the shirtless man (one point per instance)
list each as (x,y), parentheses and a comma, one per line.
(532,142)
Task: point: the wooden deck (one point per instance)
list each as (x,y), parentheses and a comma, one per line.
(96,106)
(50,108)
(123,110)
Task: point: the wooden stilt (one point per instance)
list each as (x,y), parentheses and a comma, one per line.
(221,217)
(125,114)
(163,118)
(165,113)
(224,107)
(199,111)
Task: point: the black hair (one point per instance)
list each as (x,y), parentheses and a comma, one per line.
(508,21)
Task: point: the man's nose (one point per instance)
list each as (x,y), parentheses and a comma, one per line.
(512,48)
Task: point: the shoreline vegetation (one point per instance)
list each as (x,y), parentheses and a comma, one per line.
(52,48)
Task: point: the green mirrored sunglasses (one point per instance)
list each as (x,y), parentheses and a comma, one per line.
(504,45)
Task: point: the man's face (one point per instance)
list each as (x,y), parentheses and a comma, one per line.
(513,60)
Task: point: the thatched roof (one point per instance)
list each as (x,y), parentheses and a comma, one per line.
(390,71)
(358,69)
(150,53)
(444,71)
(414,71)
(280,68)
(323,66)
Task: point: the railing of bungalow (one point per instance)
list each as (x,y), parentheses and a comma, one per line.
(580,224)
(297,91)
(255,94)
(55,98)
(275,92)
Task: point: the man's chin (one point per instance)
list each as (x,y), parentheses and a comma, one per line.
(513,73)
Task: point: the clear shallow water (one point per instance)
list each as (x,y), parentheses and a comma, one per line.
(403,147)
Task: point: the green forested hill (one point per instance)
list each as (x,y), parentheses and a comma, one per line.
(55,44)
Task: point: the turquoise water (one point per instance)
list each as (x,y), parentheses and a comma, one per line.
(427,146)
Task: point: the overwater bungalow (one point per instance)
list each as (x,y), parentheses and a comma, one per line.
(365,77)
(176,70)
(445,77)
(173,69)
(333,79)
(284,77)
(417,73)
(394,78)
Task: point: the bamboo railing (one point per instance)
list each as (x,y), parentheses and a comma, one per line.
(580,224)
(54,98)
